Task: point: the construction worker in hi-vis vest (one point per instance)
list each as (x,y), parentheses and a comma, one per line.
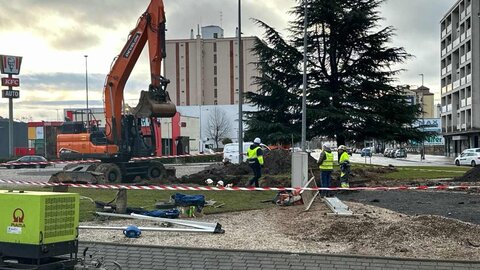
(344,162)
(255,161)
(326,167)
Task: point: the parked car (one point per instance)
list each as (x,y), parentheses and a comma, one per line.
(468,158)
(27,162)
(471,150)
(401,153)
(230,151)
(387,151)
(366,152)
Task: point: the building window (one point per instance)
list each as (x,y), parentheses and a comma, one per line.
(215,93)
(215,102)
(215,81)
(215,58)
(214,70)
(215,35)
(215,47)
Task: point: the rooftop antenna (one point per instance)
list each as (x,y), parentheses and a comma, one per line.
(198,29)
(221,19)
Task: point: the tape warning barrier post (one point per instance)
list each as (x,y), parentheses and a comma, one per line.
(208,188)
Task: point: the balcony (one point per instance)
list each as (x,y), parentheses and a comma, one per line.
(469,32)
(444,33)
(468,9)
(449,107)
(456,42)
(449,87)
(463,81)
(469,55)
(463,59)
(462,15)
(444,109)
(449,68)
(469,101)
(444,52)
(469,78)
(456,84)
(449,28)
(463,103)
(449,47)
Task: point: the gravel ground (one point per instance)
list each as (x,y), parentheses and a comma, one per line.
(372,231)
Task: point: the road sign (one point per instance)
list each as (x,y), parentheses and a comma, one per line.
(10,64)
(15,82)
(10,94)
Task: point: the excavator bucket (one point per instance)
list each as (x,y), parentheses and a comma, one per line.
(79,173)
(151,107)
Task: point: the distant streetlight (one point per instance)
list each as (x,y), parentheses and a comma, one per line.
(86,88)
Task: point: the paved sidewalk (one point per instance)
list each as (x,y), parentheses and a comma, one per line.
(152,257)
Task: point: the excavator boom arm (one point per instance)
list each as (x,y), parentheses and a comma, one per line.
(156,103)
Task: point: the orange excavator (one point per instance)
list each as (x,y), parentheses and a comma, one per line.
(122,139)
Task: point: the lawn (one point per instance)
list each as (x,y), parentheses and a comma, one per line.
(421,172)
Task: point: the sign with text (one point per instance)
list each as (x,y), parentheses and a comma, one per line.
(10,64)
(10,94)
(14,82)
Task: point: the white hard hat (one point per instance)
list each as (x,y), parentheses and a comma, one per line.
(326,145)
(220,183)
(209,181)
(257,140)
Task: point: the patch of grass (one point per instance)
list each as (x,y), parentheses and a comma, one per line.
(233,200)
(424,172)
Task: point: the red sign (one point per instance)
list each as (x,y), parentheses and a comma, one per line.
(11,82)
(10,64)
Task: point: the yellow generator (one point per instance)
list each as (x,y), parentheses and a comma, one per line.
(35,227)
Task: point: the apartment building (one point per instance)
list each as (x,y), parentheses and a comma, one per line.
(204,70)
(460,80)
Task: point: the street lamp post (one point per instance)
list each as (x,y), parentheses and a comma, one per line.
(240,83)
(304,90)
(422,102)
(86,89)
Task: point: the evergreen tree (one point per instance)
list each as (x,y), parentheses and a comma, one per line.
(350,76)
(278,119)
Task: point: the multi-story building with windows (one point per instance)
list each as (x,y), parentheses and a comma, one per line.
(460,80)
(204,70)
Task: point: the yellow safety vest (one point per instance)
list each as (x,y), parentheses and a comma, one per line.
(252,155)
(327,164)
(344,157)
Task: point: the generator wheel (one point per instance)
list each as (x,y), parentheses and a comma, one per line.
(156,171)
(111,172)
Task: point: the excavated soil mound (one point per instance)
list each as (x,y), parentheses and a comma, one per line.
(472,175)
(276,172)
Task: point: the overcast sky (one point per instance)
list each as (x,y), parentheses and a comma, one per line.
(54,35)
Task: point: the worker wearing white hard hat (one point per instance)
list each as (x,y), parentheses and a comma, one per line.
(255,161)
(325,162)
(344,162)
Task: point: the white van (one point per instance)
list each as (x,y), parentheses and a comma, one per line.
(230,151)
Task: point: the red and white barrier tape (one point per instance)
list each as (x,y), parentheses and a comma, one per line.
(208,188)
(96,160)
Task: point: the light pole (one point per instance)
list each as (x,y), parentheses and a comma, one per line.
(304,90)
(422,154)
(240,83)
(86,89)
(200,140)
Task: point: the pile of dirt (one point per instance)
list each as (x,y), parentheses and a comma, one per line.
(472,175)
(276,171)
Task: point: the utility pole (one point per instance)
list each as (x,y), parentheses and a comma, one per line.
(240,83)
(422,155)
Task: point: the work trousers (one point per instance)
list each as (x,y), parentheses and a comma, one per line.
(325,177)
(257,173)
